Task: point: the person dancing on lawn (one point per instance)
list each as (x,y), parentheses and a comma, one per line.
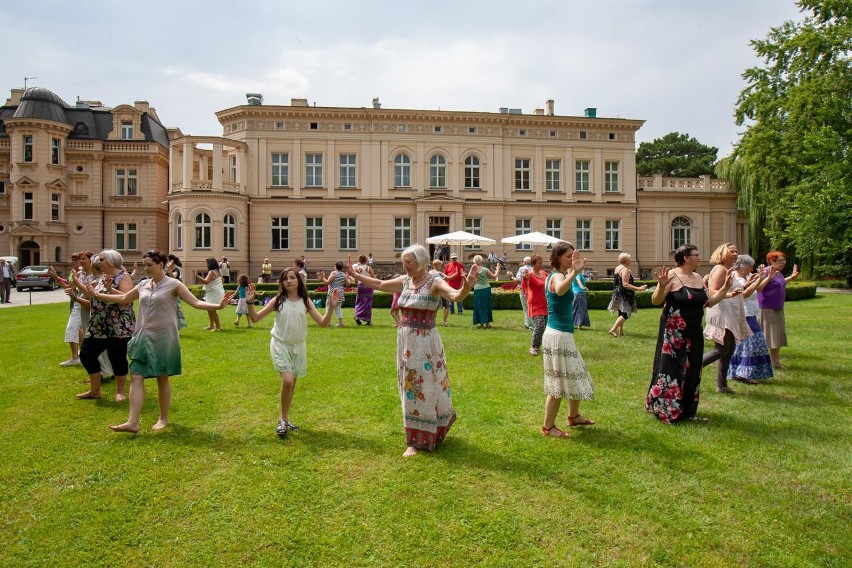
(364,296)
(337,280)
(482,314)
(242,308)
(289,332)
(750,363)
(565,372)
(623,294)
(74,327)
(213,292)
(536,301)
(771,301)
(422,377)
(581,302)
(154,348)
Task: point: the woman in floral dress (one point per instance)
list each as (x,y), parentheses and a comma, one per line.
(423,380)
(673,393)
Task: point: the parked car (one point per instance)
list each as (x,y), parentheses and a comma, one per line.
(34,277)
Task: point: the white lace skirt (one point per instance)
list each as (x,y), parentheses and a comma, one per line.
(565,372)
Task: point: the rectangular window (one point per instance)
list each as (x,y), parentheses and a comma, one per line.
(280,233)
(232,169)
(554,228)
(28,206)
(522,227)
(125,236)
(522,174)
(313,233)
(55,206)
(126,130)
(313,170)
(401,233)
(28,148)
(553,175)
(582,176)
(179,233)
(229,232)
(584,234)
(280,170)
(54,151)
(348,234)
(2,187)
(125,182)
(613,235)
(473,225)
(611,177)
(347,170)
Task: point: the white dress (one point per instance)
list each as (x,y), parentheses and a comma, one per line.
(214,291)
(289,332)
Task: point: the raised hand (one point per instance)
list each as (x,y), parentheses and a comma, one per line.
(471,276)
(663,276)
(577,263)
(250,294)
(227,299)
(106,279)
(795,271)
(349,270)
(334,299)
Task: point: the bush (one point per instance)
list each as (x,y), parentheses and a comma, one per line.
(800,291)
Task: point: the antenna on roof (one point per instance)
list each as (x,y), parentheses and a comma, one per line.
(28,79)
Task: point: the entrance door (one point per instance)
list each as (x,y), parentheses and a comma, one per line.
(29,254)
(439,226)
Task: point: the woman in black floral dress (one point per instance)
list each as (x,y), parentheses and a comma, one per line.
(673,393)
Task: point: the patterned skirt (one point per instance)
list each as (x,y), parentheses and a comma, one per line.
(751,357)
(581,310)
(565,372)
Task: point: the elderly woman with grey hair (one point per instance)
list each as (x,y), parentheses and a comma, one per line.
(624,291)
(110,326)
(482,316)
(423,380)
(750,362)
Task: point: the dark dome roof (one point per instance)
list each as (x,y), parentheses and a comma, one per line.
(41,103)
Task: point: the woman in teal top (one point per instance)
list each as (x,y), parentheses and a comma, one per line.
(581,303)
(482,316)
(565,373)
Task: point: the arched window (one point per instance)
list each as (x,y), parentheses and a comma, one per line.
(402,171)
(471,173)
(203,231)
(179,232)
(437,171)
(57,254)
(681,232)
(229,226)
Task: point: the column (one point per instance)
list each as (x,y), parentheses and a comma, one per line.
(187,166)
(331,174)
(296,168)
(218,165)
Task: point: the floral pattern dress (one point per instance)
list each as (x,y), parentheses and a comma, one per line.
(673,393)
(423,380)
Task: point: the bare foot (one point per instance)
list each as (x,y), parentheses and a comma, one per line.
(119,397)
(126,427)
(89,394)
(409,451)
(160,425)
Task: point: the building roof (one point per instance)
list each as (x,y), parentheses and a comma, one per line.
(87,123)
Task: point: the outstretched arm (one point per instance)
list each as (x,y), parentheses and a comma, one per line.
(122,299)
(393,286)
(323,320)
(184,294)
(264,311)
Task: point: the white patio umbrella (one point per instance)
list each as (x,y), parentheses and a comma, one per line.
(460,238)
(534,238)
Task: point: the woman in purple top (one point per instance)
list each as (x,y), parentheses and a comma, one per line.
(771,301)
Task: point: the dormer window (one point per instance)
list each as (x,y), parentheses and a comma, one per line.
(126,130)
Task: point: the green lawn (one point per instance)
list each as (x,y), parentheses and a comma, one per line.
(765,483)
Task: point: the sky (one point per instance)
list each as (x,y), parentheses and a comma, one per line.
(676,64)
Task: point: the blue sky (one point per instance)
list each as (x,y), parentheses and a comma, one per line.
(676,64)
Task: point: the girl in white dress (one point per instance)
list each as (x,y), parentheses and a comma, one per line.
(289,332)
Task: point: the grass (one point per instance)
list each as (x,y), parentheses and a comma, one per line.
(765,483)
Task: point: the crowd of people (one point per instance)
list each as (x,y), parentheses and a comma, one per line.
(744,319)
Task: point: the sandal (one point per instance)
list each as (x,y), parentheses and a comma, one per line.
(746,381)
(612,333)
(281,429)
(533,351)
(554,432)
(579,420)
(290,425)
(700,419)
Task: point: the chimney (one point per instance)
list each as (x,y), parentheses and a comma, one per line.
(376,103)
(549,106)
(142,106)
(15,98)
(254,99)
(538,111)
(299,102)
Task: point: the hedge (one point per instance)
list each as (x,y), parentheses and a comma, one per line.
(510,299)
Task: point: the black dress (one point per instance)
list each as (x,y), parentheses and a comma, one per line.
(673,393)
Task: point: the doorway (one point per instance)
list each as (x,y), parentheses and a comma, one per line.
(439,226)
(29,254)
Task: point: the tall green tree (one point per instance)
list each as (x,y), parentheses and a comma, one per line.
(792,165)
(675,154)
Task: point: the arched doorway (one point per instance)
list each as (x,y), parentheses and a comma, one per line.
(29,253)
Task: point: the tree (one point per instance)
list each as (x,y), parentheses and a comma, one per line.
(675,154)
(792,166)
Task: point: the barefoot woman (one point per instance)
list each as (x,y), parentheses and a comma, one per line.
(424,383)
(155,347)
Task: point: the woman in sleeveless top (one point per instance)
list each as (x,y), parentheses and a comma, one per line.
(673,393)
(154,348)
(364,295)
(624,291)
(726,321)
(423,381)
(565,373)
(214,291)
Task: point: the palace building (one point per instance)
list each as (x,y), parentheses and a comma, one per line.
(284,181)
